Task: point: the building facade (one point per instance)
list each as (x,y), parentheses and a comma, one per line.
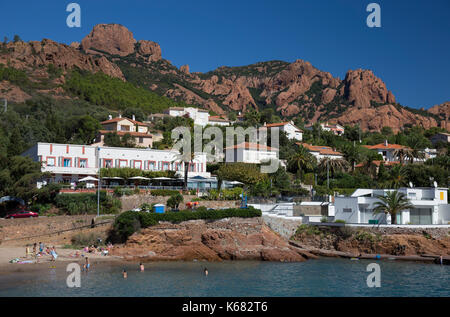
(247,152)
(67,163)
(430,207)
(200,116)
(320,151)
(121,126)
(292,132)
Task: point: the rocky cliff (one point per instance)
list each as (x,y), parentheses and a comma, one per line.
(225,239)
(293,90)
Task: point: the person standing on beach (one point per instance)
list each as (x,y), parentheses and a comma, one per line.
(34,249)
(141,267)
(41,248)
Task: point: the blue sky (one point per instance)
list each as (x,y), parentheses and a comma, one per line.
(410,52)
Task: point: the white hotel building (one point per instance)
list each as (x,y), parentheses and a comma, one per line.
(430,206)
(71,162)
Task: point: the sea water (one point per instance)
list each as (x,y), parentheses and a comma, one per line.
(321,277)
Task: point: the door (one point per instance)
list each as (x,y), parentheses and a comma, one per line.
(421,216)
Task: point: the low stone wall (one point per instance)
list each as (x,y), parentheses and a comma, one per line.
(135,201)
(436,233)
(12,229)
(284,226)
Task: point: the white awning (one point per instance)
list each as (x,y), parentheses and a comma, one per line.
(88,179)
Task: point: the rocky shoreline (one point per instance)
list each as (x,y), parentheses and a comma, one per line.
(252,239)
(224,239)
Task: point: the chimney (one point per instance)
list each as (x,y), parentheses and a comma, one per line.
(386,143)
(134,118)
(109,117)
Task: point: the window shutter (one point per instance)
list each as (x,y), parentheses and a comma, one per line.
(145,165)
(116,164)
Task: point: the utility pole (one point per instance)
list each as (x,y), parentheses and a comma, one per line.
(328,175)
(98,184)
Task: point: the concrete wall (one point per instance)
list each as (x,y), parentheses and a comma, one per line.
(284,226)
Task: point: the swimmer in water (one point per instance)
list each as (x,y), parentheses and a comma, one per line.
(141,266)
(87,264)
(206,271)
(124,273)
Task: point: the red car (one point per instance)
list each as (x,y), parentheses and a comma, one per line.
(22,214)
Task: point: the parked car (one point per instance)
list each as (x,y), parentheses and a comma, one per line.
(22,214)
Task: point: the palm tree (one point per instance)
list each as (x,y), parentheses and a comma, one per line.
(332,165)
(403,154)
(393,203)
(397,177)
(302,160)
(352,154)
(186,157)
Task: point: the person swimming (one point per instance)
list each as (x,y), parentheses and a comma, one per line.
(124,273)
(141,266)
(206,271)
(87,265)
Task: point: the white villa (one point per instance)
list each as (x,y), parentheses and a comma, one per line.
(293,133)
(200,116)
(430,207)
(247,152)
(321,151)
(71,162)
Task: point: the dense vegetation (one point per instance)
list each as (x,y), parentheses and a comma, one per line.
(130,222)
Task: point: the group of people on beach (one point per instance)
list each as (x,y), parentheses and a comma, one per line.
(42,251)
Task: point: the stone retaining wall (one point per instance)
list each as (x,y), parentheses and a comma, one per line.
(284,226)
(135,201)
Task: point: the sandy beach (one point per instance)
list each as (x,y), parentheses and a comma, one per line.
(65,256)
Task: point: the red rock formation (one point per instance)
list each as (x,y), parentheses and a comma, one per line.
(151,51)
(362,87)
(226,239)
(114,39)
(28,56)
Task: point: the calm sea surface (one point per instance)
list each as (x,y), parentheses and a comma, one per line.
(322,277)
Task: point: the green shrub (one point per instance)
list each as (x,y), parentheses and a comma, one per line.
(86,203)
(339,221)
(164,192)
(86,239)
(175,200)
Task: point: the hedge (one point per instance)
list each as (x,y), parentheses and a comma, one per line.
(86,203)
(131,221)
(163,192)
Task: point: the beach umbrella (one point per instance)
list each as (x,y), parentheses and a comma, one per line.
(88,179)
(139,178)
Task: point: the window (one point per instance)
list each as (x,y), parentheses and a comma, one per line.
(137,164)
(166,166)
(412,195)
(67,162)
(50,161)
(141,140)
(107,163)
(347,210)
(152,165)
(83,163)
(191,167)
